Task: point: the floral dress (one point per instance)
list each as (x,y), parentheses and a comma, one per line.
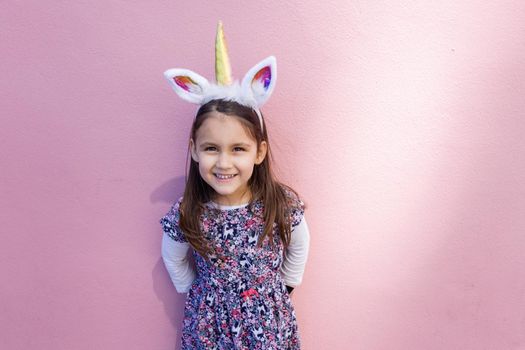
(238,300)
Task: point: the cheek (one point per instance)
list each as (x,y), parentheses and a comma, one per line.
(247,165)
(205,163)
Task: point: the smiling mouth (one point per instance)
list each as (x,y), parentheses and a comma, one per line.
(224,176)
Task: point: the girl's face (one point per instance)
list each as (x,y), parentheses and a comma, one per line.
(226,154)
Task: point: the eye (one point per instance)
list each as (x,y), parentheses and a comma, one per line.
(239,149)
(210,149)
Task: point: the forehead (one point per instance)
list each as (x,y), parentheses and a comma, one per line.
(223,129)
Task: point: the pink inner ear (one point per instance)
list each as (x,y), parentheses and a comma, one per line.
(187,83)
(263,76)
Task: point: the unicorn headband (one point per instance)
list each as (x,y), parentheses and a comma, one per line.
(254,90)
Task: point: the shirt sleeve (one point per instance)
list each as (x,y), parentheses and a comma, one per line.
(170,223)
(174,254)
(296,255)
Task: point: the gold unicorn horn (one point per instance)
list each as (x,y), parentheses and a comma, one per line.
(223,70)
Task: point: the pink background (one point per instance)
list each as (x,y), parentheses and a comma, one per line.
(401,123)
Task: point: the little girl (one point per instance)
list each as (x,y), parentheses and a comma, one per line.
(247,231)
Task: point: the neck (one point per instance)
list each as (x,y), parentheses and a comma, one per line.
(224,200)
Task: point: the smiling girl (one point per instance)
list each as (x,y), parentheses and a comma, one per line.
(247,231)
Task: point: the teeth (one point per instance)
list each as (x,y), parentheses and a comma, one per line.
(220,176)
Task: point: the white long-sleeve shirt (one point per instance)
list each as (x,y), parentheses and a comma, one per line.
(182,272)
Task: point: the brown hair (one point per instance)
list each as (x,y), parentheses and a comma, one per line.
(263,184)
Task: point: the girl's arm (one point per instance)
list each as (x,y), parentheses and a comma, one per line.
(296,255)
(174,254)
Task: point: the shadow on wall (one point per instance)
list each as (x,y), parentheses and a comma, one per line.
(172,301)
(169,191)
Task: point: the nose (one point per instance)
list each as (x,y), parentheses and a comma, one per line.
(223,161)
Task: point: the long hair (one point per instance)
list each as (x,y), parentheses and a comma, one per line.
(263,184)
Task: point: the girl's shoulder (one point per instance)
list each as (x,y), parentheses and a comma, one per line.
(170,222)
(175,209)
(292,197)
(294,204)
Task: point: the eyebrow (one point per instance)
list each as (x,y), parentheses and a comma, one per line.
(239,144)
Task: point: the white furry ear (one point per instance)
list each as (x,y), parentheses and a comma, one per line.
(260,80)
(189,85)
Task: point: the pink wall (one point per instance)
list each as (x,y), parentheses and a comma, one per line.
(406,141)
